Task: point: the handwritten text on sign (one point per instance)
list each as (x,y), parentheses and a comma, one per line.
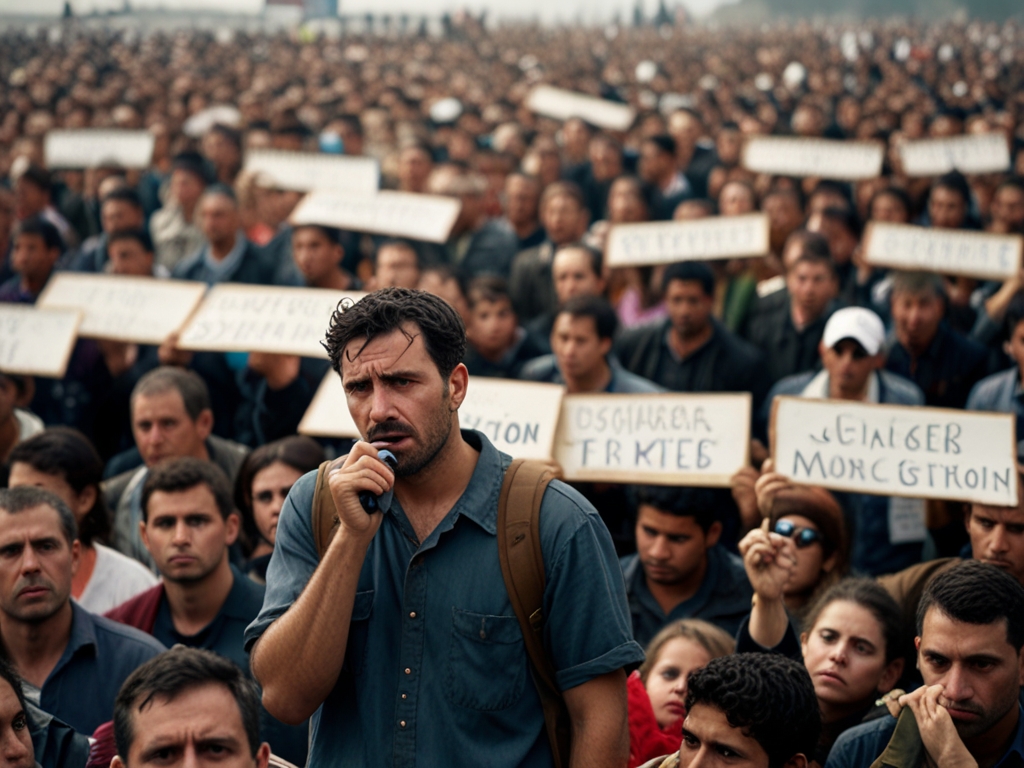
(306,171)
(518,417)
(825,158)
(949,251)
(562,104)
(249,318)
(135,309)
(399,214)
(93,147)
(977,153)
(36,341)
(931,453)
(667,439)
(716,237)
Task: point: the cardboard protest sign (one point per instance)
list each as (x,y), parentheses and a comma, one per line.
(974,153)
(36,342)
(824,158)
(142,310)
(306,171)
(664,242)
(948,251)
(519,417)
(562,104)
(95,147)
(256,318)
(889,450)
(663,439)
(399,214)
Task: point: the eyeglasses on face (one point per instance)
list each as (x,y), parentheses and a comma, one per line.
(802,537)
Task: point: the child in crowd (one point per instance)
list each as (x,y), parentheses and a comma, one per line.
(498,346)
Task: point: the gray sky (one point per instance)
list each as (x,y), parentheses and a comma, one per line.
(565,10)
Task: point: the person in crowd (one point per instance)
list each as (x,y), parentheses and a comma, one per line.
(785,209)
(576,270)
(131,252)
(564,215)
(317,253)
(851,357)
(396,264)
(365,604)
(175,227)
(841,227)
(1007,209)
(226,256)
(891,205)
(680,570)
(498,345)
(264,479)
(62,461)
(751,711)
(37,248)
(415,162)
(925,350)
(16,747)
(949,203)
(657,690)
(33,198)
(787,326)
(1001,392)
(690,351)
(444,282)
(120,209)
(171,418)
(16,424)
(659,168)
(851,644)
(72,661)
(521,203)
(582,341)
(192,706)
(970,630)
(687,127)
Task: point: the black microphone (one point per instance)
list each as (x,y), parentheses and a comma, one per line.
(369,500)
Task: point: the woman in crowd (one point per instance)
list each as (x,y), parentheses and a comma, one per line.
(850,644)
(266,476)
(61,460)
(657,690)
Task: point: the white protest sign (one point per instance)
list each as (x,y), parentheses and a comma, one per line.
(399,214)
(94,147)
(975,153)
(663,439)
(824,158)
(142,310)
(889,450)
(36,342)
(256,318)
(519,417)
(948,251)
(664,242)
(562,104)
(306,171)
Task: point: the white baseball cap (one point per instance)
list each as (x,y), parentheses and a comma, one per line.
(861,325)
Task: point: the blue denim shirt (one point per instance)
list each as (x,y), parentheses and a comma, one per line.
(99,656)
(435,671)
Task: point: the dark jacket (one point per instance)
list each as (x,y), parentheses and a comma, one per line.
(256,267)
(769,327)
(948,369)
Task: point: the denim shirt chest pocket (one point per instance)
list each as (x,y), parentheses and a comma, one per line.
(358,631)
(486,661)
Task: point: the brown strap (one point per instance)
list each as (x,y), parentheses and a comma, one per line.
(522,566)
(325,520)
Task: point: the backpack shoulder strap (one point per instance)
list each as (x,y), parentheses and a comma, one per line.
(522,566)
(324,515)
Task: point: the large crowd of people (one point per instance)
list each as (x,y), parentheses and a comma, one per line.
(156,497)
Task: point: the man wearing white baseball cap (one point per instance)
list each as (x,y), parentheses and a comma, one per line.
(887,533)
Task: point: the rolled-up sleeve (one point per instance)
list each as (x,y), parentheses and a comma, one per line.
(587,630)
(294,559)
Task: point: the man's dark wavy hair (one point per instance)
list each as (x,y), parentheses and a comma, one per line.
(387,310)
(769,697)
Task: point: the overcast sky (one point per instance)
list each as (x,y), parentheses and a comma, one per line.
(565,10)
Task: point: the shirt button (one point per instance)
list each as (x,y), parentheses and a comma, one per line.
(405,696)
(401,723)
(412,614)
(408,671)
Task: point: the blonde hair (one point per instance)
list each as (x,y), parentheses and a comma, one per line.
(716,641)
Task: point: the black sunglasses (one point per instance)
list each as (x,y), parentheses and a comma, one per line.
(802,537)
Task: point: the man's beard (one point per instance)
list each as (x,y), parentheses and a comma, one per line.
(432,438)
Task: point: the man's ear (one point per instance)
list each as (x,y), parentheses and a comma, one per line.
(262,756)
(204,423)
(458,383)
(830,562)
(798,760)
(117,762)
(713,534)
(86,500)
(606,346)
(232,525)
(144,535)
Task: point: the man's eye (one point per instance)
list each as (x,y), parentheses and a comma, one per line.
(20,723)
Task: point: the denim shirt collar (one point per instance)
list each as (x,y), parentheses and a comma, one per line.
(82,638)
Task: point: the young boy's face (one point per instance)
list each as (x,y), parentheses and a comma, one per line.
(31,258)
(492,326)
